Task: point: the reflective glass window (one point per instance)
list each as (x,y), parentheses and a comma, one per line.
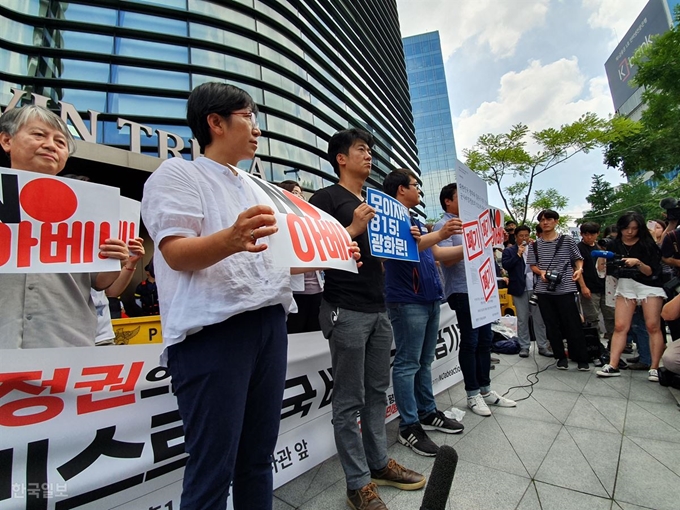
(177,4)
(276,79)
(139,76)
(151,50)
(152,23)
(6,91)
(287,106)
(292,153)
(131,104)
(84,70)
(278,58)
(219,12)
(88,13)
(13,63)
(284,127)
(219,36)
(85,100)
(87,42)
(224,62)
(19,33)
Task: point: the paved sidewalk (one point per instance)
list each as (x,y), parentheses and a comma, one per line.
(579,442)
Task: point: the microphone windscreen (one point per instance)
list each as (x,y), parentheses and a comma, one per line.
(602,254)
(441,478)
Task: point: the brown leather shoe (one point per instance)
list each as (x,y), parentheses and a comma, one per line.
(365,498)
(398,476)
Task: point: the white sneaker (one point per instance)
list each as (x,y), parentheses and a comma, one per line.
(478,406)
(494,399)
(653,375)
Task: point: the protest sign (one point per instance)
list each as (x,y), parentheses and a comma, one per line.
(55,225)
(389,232)
(307,236)
(128,225)
(98,427)
(479,236)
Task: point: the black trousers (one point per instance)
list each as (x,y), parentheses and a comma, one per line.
(562,320)
(307,317)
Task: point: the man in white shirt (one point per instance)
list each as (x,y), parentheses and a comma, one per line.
(223,304)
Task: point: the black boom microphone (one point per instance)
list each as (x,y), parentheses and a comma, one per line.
(441,478)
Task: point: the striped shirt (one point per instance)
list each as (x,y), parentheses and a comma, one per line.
(566,256)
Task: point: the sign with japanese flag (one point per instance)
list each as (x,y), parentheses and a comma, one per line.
(55,225)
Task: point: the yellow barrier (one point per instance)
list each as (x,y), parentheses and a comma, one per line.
(507,306)
(138,330)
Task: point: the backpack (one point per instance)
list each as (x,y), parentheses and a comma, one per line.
(506,346)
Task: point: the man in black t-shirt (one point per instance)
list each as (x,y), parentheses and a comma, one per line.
(354,319)
(592,286)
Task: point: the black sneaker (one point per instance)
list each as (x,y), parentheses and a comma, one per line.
(608,371)
(439,421)
(563,364)
(584,367)
(415,438)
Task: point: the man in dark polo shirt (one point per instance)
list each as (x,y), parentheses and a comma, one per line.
(354,320)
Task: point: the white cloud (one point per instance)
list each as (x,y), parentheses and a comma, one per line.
(496,24)
(615,15)
(539,96)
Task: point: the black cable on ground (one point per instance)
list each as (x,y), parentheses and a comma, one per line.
(531,383)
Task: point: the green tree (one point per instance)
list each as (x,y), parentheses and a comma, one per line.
(653,145)
(498,156)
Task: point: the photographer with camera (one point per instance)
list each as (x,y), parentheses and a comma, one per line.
(670,255)
(557,261)
(636,262)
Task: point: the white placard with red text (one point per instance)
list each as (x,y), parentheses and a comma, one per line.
(128,225)
(98,427)
(479,236)
(307,236)
(55,225)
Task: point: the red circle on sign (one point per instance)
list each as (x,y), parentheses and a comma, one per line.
(48,200)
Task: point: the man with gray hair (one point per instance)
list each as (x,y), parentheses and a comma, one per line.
(41,309)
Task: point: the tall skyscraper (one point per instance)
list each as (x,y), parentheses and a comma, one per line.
(431,116)
(312,67)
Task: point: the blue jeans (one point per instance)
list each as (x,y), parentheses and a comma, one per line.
(360,357)
(415,329)
(475,347)
(229,380)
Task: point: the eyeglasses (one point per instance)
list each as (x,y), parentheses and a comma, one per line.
(251,115)
(415,184)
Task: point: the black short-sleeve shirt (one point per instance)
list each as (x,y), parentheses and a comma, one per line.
(362,292)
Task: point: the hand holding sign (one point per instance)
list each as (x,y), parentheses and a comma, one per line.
(452,227)
(252,224)
(416,233)
(114,249)
(362,215)
(135,251)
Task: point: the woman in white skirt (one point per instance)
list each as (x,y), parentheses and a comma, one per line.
(639,283)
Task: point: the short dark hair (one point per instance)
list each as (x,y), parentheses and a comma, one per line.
(289,185)
(214,97)
(447,193)
(611,229)
(590,227)
(539,230)
(341,141)
(548,213)
(396,178)
(522,228)
(513,222)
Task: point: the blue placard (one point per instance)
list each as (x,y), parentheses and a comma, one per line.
(389,232)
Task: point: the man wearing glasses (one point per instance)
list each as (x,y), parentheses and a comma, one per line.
(223,304)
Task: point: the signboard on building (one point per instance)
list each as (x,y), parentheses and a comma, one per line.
(653,20)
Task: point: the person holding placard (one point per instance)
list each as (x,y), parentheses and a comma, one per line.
(413,295)
(475,343)
(43,309)
(354,320)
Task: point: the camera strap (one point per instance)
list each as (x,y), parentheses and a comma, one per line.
(560,240)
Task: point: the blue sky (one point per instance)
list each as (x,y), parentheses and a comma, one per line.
(539,62)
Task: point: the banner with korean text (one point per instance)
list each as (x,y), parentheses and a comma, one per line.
(98,427)
(478,240)
(307,236)
(55,225)
(389,232)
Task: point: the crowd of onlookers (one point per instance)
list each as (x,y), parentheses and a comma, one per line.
(626,288)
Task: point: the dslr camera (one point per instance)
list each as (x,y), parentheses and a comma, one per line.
(672,287)
(554,279)
(672,207)
(618,269)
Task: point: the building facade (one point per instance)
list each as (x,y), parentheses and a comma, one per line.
(432,117)
(121,71)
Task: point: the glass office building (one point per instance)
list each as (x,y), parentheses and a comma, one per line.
(432,116)
(312,66)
